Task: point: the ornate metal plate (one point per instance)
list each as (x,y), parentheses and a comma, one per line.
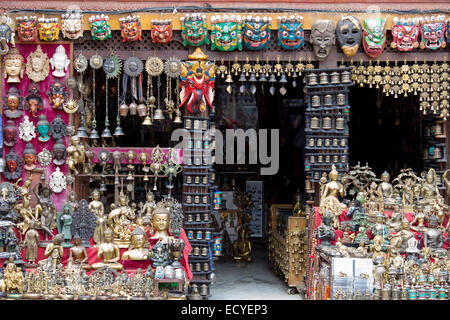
(172,67)
(154,66)
(112,66)
(44,157)
(80,63)
(133,66)
(96,61)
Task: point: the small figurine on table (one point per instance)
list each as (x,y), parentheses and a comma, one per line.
(242,247)
(64,221)
(78,254)
(31,242)
(54,252)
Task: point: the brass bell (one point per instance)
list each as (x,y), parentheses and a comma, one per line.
(123,110)
(133,108)
(158,114)
(94,134)
(103,187)
(106,133)
(178,117)
(147,121)
(142,110)
(229,79)
(312,79)
(118,131)
(81,132)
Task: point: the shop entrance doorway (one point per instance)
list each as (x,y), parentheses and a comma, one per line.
(385,132)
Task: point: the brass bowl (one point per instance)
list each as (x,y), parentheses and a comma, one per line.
(32,296)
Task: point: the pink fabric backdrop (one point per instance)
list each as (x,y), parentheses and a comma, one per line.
(50,113)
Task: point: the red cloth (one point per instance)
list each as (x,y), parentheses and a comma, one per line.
(343,217)
(48,111)
(92,254)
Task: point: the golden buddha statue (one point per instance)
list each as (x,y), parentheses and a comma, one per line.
(75,154)
(429,189)
(78,255)
(120,219)
(97,208)
(242,247)
(54,251)
(139,246)
(13,276)
(160,223)
(386,190)
(329,197)
(109,251)
(420,218)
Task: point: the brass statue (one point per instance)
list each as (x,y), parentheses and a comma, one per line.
(14,280)
(429,189)
(329,197)
(78,255)
(139,246)
(97,208)
(148,207)
(31,242)
(54,251)
(109,251)
(160,222)
(386,189)
(76,154)
(242,247)
(120,219)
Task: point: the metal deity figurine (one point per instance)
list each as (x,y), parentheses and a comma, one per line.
(27,29)
(100,27)
(256,32)
(57,94)
(197,83)
(290,32)
(72,25)
(161,31)
(33,101)
(226,33)
(7,28)
(13,165)
(349,35)
(194,30)
(374,36)
(130,29)
(48,29)
(405,34)
(432,31)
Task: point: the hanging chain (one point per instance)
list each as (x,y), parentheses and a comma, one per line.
(159,91)
(94,121)
(177,92)
(148,94)
(107,98)
(118,101)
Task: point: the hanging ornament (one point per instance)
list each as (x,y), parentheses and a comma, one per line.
(96,62)
(161,31)
(154,67)
(57,181)
(27,28)
(111,66)
(44,157)
(72,25)
(48,29)
(172,68)
(80,64)
(27,130)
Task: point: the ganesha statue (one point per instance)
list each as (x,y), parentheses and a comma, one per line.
(161,31)
(194,30)
(405,34)
(48,29)
(290,32)
(432,31)
(33,101)
(131,29)
(226,33)
(72,25)
(374,36)
(197,83)
(7,28)
(100,27)
(27,29)
(57,94)
(256,32)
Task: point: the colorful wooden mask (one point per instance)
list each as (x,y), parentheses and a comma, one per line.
(48,29)
(197,83)
(256,32)
(27,29)
(161,31)
(290,32)
(43,127)
(405,34)
(13,66)
(12,103)
(349,35)
(432,31)
(194,30)
(33,101)
(29,157)
(13,165)
(374,36)
(322,38)
(226,33)
(57,94)
(7,28)
(130,28)
(447,31)
(72,25)
(10,134)
(100,28)
(38,65)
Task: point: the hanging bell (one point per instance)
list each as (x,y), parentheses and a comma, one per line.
(252,78)
(147,121)
(294,82)
(229,79)
(103,187)
(106,133)
(283,79)
(133,108)
(123,110)
(142,110)
(178,118)
(146,178)
(129,176)
(262,78)
(242,77)
(118,131)
(158,114)
(272,78)
(94,134)
(81,132)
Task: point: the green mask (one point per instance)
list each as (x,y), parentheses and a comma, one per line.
(100,28)
(194,30)
(226,36)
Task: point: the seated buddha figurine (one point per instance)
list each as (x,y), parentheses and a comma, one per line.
(395,223)
(329,197)
(429,189)
(386,189)
(139,246)
(119,221)
(420,218)
(78,254)
(109,251)
(242,247)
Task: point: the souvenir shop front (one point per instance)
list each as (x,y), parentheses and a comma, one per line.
(110,184)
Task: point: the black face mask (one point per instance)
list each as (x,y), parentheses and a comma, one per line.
(349,35)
